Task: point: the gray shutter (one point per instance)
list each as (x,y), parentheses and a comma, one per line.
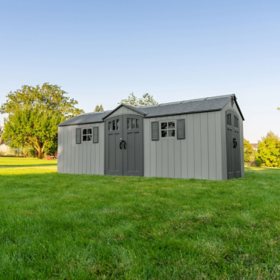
(155,131)
(95,136)
(78,135)
(181,129)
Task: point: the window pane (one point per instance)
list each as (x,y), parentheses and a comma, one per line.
(89,131)
(117,124)
(84,131)
(137,123)
(128,123)
(163,125)
(132,123)
(84,138)
(109,126)
(235,121)
(171,133)
(113,125)
(171,125)
(163,133)
(229,119)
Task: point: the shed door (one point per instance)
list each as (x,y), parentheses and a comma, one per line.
(124,153)
(233,145)
(113,154)
(133,154)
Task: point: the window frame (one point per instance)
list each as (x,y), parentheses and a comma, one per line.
(87,134)
(167,129)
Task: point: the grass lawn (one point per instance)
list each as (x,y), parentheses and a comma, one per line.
(57,226)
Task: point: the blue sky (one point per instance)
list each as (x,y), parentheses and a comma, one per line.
(100,51)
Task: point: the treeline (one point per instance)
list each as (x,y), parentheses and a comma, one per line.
(267,152)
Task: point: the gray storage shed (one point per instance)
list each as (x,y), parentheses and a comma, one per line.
(200,138)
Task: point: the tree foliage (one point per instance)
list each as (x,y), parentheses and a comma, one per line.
(1,134)
(249,153)
(145,100)
(34,114)
(99,108)
(269,150)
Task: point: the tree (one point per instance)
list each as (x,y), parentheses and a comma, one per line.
(1,135)
(269,150)
(99,108)
(145,100)
(34,114)
(249,153)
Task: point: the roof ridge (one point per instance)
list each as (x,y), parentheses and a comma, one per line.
(187,101)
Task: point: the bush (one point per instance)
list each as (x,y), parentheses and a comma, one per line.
(268,153)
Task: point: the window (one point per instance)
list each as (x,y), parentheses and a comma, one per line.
(235,121)
(229,119)
(87,134)
(167,129)
(132,123)
(113,125)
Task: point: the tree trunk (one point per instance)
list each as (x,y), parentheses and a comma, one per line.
(40,152)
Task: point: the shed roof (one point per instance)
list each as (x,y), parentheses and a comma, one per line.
(208,104)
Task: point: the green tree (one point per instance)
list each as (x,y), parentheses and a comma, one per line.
(1,135)
(99,108)
(249,153)
(269,150)
(33,116)
(145,100)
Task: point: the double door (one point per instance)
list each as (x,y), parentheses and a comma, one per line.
(124,152)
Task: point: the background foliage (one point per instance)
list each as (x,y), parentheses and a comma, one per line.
(33,116)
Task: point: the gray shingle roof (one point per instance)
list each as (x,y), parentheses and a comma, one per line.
(86,118)
(208,104)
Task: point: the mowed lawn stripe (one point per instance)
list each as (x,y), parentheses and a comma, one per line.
(59,226)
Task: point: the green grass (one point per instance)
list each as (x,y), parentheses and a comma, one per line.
(57,226)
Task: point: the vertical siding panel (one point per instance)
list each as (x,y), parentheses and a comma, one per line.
(204,146)
(59,162)
(197,146)
(178,158)
(183,152)
(164,153)
(147,140)
(78,155)
(65,150)
(102,148)
(96,158)
(218,146)
(190,146)
(159,159)
(170,157)
(93,158)
(70,146)
(212,145)
(153,158)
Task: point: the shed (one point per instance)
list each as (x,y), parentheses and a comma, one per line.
(201,138)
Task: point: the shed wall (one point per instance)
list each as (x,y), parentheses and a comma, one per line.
(84,158)
(199,155)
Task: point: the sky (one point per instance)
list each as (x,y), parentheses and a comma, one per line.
(101,51)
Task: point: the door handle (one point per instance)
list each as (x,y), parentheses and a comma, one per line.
(234,141)
(122,145)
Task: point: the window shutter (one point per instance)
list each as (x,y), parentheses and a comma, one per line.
(95,136)
(155,131)
(78,135)
(181,129)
